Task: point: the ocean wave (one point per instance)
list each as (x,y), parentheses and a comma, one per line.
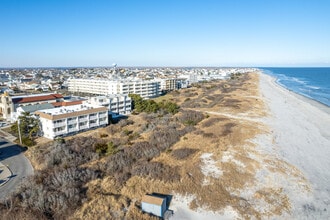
(313,83)
(313,87)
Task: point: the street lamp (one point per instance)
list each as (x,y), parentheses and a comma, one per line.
(19,130)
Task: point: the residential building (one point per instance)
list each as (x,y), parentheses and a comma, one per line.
(116,104)
(144,88)
(63,121)
(9,104)
(30,109)
(173,84)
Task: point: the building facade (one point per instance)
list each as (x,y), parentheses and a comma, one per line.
(116,104)
(63,121)
(9,104)
(144,88)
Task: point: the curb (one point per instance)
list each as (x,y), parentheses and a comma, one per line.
(5,174)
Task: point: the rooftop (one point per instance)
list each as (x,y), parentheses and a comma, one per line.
(152,200)
(35,98)
(70,109)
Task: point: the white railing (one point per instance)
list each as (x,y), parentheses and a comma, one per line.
(102,115)
(71,122)
(72,129)
(59,132)
(92,117)
(102,122)
(83,127)
(83,119)
(56,125)
(93,125)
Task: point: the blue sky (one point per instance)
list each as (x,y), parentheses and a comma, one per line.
(67,33)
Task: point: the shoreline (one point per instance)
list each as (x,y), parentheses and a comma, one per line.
(302,97)
(300,136)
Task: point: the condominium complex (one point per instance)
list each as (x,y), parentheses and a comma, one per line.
(144,88)
(68,120)
(116,104)
(173,84)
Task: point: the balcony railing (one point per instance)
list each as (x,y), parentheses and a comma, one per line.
(56,125)
(83,119)
(72,129)
(92,117)
(83,127)
(93,124)
(59,132)
(71,122)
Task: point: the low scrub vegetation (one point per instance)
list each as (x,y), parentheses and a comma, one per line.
(150,106)
(183,153)
(129,150)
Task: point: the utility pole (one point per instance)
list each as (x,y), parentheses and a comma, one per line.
(19,130)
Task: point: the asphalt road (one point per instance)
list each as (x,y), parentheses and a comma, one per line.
(12,156)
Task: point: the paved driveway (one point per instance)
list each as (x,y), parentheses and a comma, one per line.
(14,167)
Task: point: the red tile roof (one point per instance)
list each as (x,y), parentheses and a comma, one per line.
(20,100)
(59,104)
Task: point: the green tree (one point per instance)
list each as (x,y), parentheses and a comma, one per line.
(29,128)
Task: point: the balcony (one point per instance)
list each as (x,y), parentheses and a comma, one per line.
(61,124)
(92,117)
(71,122)
(83,119)
(83,127)
(93,125)
(102,122)
(72,130)
(57,133)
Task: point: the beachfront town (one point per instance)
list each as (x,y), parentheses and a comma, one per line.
(67,101)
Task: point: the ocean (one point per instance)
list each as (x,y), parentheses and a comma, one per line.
(313,83)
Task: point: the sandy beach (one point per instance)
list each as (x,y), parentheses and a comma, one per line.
(292,153)
(301,133)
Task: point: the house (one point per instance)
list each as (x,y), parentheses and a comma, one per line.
(154,205)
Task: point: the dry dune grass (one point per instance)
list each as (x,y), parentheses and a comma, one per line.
(219,136)
(216,161)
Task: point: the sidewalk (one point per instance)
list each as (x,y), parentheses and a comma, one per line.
(7,136)
(5,174)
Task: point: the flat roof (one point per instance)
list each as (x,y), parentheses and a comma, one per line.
(70,111)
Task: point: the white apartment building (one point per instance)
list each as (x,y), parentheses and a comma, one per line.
(173,84)
(116,104)
(68,120)
(144,88)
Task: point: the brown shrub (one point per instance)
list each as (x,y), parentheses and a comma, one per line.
(228,128)
(156,170)
(190,117)
(211,121)
(183,153)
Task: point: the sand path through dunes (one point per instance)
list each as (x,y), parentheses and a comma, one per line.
(301,136)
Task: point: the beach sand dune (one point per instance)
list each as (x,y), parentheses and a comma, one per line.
(287,161)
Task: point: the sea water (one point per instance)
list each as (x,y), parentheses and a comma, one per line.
(313,83)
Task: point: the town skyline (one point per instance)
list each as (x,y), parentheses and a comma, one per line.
(69,34)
